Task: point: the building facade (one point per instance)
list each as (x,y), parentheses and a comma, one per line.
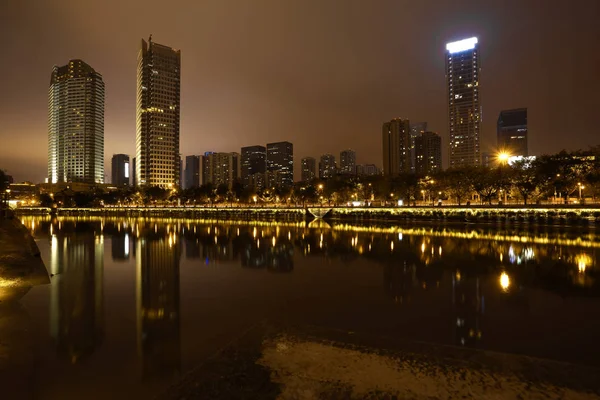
(120,170)
(280,164)
(367,170)
(192,172)
(254,166)
(221,168)
(396,147)
(348,162)
(76,124)
(309,169)
(327,166)
(157,120)
(512,132)
(428,153)
(464,110)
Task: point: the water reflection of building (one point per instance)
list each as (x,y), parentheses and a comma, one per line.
(157,263)
(276,253)
(469,306)
(120,246)
(76,305)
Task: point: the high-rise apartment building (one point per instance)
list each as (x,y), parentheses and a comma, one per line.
(348,162)
(396,147)
(76,124)
(309,169)
(120,170)
(222,168)
(192,172)
(327,166)
(157,122)
(512,132)
(415,130)
(464,110)
(428,153)
(280,164)
(254,166)
(205,160)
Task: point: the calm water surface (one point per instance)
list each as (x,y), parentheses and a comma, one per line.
(135,303)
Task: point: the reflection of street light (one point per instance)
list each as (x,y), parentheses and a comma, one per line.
(255,199)
(504,281)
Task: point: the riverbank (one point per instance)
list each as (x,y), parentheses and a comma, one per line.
(310,362)
(20,269)
(536,215)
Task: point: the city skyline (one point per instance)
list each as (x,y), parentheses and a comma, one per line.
(269,91)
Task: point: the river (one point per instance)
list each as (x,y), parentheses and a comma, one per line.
(134,303)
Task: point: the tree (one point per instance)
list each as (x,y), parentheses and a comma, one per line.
(459,183)
(525,179)
(487,182)
(3,181)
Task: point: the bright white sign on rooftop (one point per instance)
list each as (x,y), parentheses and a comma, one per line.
(461,45)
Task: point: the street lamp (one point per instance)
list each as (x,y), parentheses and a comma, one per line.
(503,157)
(581,187)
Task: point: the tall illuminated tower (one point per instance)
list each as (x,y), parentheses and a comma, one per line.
(76,124)
(157,120)
(464,110)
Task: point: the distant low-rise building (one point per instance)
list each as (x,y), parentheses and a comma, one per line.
(428,153)
(309,169)
(367,170)
(512,132)
(192,172)
(120,170)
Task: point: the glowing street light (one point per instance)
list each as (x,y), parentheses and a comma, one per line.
(503,157)
(581,187)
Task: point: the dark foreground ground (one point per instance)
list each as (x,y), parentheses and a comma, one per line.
(20,269)
(269,362)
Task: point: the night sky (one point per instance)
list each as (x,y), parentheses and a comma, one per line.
(322,74)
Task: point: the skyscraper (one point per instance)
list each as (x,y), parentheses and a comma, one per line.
(76,124)
(192,172)
(254,163)
(396,147)
(464,110)
(428,153)
(309,168)
(120,170)
(348,162)
(512,132)
(280,164)
(157,122)
(327,166)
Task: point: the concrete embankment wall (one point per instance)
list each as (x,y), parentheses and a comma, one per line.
(541,216)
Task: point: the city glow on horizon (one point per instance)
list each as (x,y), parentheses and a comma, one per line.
(461,45)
